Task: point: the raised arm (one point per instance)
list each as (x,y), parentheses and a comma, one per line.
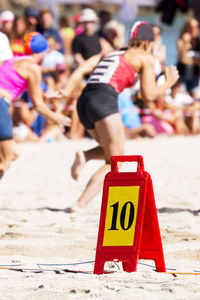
(149,88)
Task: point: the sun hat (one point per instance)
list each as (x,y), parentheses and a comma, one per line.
(141,31)
(35,42)
(88,15)
(7,16)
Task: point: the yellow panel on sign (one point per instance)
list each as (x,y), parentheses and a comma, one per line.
(121,215)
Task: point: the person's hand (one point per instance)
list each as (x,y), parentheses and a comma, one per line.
(50,94)
(63,120)
(171,75)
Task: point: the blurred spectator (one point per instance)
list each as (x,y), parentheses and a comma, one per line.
(78,26)
(76,130)
(188,46)
(49,65)
(32,15)
(17,36)
(67,35)
(87,43)
(61,75)
(23,117)
(115,34)
(158,48)
(52,131)
(131,119)
(47,28)
(7,19)
(104,18)
(5,50)
(165,119)
(186,105)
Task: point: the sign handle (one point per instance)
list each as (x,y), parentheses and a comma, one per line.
(126,158)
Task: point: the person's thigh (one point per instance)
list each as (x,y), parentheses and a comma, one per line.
(111,137)
(93,134)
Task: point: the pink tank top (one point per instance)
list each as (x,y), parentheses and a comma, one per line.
(10,80)
(114,70)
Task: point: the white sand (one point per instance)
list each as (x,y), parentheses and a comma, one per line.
(35,229)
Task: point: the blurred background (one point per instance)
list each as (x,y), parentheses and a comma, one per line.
(125,11)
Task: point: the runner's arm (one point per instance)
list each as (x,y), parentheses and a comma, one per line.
(149,88)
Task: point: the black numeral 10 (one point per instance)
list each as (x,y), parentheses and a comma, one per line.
(122,215)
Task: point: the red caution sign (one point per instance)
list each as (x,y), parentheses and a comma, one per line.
(128,228)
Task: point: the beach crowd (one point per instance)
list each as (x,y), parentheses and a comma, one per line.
(73,40)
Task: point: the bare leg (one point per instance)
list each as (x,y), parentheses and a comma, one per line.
(111,138)
(146,129)
(51,131)
(6,155)
(82,157)
(76,130)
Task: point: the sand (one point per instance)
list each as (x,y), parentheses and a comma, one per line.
(36,232)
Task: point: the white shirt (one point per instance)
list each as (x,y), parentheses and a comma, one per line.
(5,50)
(181,99)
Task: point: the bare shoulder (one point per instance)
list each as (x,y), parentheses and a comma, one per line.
(138,59)
(147,61)
(27,67)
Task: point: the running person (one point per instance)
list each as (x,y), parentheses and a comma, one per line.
(98,108)
(17,75)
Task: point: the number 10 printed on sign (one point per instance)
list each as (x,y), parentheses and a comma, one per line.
(121,216)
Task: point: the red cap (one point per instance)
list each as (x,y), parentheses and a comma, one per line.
(141,31)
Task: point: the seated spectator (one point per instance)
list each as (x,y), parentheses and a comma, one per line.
(17,36)
(189,107)
(52,131)
(23,117)
(131,119)
(165,119)
(47,28)
(28,124)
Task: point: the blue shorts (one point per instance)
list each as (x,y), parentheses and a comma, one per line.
(5,121)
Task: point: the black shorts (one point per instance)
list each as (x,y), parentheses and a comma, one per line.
(97,101)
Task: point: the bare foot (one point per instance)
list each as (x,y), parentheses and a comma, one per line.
(78,164)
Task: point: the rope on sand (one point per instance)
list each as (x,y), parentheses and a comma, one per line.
(19,268)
